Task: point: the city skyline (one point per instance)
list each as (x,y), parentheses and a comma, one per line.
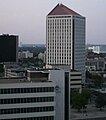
(27,19)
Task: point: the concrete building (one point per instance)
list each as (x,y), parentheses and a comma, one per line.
(44,95)
(95,64)
(14,72)
(75,76)
(61,79)
(75,80)
(27,100)
(25,54)
(65,38)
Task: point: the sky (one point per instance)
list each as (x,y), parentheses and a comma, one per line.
(27,18)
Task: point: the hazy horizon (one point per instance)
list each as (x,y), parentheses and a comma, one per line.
(27,18)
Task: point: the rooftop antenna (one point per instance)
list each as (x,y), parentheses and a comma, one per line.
(60,4)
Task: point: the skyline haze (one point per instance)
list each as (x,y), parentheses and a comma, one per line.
(28,18)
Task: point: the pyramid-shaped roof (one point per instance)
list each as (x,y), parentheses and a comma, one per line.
(61,9)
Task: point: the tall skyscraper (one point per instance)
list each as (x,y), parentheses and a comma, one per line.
(65,38)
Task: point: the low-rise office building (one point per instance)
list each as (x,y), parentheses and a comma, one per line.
(26,100)
(44,95)
(25,54)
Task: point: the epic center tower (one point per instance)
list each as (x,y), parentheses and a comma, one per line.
(65,38)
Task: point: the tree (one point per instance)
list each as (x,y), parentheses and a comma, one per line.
(72,95)
(86,93)
(88,75)
(79,101)
(97,80)
(100,102)
(1,69)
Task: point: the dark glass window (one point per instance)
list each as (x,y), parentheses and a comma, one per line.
(26,100)
(34,118)
(26,90)
(26,110)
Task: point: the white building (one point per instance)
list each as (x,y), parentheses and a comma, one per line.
(61,79)
(98,49)
(44,95)
(25,54)
(62,89)
(65,38)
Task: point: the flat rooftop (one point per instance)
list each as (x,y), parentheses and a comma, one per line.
(21,80)
(13,80)
(38,75)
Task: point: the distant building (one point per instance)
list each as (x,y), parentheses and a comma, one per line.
(14,72)
(95,64)
(8,48)
(25,54)
(65,38)
(98,49)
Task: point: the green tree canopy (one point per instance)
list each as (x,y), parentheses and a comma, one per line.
(86,93)
(1,69)
(88,75)
(80,100)
(98,81)
(100,101)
